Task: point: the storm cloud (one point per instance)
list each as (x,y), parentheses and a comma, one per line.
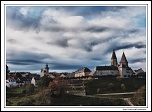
(70,37)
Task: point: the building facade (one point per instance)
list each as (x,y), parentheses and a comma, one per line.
(84,71)
(44,71)
(121,69)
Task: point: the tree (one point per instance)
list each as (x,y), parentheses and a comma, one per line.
(58,86)
(44,97)
(29,88)
(110,86)
(44,81)
(123,87)
(18,75)
(7,71)
(139,98)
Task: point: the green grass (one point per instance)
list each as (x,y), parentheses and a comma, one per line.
(15,97)
(15,101)
(66,100)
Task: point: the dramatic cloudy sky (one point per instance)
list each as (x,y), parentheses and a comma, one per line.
(70,37)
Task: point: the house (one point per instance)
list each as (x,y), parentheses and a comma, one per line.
(23,79)
(25,74)
(70,75)
(20,83)
(105,70)
(138,71)
(35,81)
(84,71)
(11,74)
(11,82)
(121,69)
(51,75)
(63,75)
(141,75)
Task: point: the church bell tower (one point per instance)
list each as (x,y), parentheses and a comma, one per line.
(47,68)
(114,59)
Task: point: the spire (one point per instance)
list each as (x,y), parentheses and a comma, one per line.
(114,59)
(124,60)
(46,66)
(113,55)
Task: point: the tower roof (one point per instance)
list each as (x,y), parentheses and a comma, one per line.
(123,58)
(83,69)
(113,55)
(46,66)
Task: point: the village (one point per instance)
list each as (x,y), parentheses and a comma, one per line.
(75,56)
(117,81)
(123,70)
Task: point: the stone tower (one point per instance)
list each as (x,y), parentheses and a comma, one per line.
(46,68)
(114,59)
(123,60)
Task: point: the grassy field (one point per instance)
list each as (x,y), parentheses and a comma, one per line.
(16,97)
(65,100)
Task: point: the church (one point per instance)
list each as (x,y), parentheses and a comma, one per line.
(44,71)
(121,69)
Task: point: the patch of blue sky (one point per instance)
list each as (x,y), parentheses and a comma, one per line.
(141,20)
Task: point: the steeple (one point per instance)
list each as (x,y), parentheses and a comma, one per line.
(124,60)
(114,59)
(113,55)
(47,68)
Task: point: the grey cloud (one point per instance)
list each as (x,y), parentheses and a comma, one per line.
(11,41)
(23,62)
(59,42)
(137,60)
(17,20)
(123,46)
(96,29)
(26,58)
(64,66)
(129,45)
(133,31)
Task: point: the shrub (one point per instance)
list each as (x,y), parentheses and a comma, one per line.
(123,87)
(29,88)
(44,97)
(110,86)
(139,98)
(58,87)
(24,91)
(44,81)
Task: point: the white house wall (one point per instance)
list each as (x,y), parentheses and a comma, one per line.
(33,81)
